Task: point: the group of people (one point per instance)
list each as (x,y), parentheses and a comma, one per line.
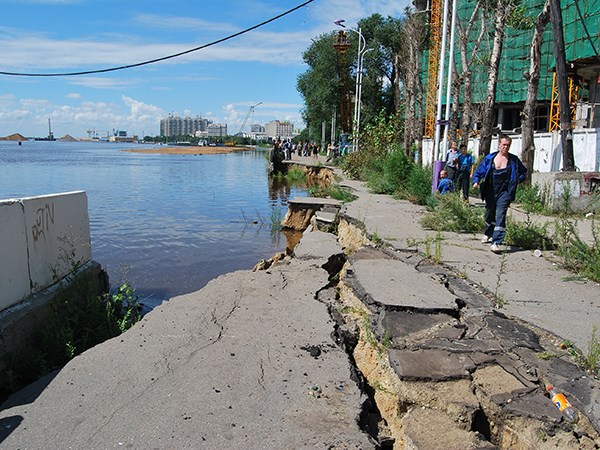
(497,177)
(458,171)
(286,148)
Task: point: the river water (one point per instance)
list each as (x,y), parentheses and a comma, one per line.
(168,224)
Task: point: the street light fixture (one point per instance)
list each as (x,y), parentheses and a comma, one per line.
(362,49)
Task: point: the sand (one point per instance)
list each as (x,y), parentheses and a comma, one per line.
(187,150)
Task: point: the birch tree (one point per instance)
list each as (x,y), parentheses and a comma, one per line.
(533,82)
(414,36)
(502,11)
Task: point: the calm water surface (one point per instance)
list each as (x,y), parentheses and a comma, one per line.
(166,223)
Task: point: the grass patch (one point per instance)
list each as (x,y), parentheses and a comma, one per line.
(295,176)
(334,191)
(451,213)
(528,235)
(78,320)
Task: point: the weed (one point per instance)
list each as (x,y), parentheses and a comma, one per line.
(452,213)
(532,198)
(499,299)
(376,239)
(528,235)
(334,191)
(545,355)
(295,176)
(591,359)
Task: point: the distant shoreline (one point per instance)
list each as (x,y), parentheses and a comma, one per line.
(187,150)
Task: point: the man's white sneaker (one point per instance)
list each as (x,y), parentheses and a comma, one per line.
(495,248)
(486,239)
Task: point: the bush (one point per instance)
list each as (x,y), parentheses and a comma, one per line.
(451,213)
(528,235)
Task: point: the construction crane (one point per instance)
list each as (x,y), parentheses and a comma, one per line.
(432,67)
(250,111)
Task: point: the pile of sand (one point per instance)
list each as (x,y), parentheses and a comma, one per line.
(14,137)
(188,150)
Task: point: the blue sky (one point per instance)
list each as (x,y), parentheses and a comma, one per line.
(220,82)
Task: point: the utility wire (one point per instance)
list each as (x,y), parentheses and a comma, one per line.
(164,58)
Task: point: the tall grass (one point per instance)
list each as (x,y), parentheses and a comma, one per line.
(451,213)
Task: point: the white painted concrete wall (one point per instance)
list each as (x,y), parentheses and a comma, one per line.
(41,238)
(548,150)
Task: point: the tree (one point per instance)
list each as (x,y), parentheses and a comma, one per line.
(322,85)
(502,11)
(463,78)
(533,83)
(319,85)
(413,34)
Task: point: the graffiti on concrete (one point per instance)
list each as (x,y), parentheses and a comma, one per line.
(45,217)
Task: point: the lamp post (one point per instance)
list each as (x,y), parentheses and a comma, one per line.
(362,49)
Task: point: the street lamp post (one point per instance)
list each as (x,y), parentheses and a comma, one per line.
(362,49)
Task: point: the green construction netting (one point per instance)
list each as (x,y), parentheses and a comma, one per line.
(515,59)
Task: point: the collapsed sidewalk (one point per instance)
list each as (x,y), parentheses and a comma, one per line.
(355,341)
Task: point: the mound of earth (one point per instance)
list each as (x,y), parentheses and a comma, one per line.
(14,137)
(68,138)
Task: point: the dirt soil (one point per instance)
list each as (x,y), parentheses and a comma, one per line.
(187,150)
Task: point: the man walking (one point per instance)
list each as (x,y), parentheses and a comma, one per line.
(497,177)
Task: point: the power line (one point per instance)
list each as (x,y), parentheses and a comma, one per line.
(164,58)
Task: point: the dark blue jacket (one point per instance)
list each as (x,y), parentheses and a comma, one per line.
(517,174)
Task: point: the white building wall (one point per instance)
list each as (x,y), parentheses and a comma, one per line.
(41,239)
(548,150)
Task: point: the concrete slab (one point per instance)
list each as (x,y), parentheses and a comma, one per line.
(316,244)
(220,368)
(430,365)
(394,283)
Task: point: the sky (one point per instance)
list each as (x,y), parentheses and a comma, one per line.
(220,82)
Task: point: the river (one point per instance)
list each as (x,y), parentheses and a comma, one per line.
(167,224)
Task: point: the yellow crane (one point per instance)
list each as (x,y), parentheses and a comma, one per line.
(432,67)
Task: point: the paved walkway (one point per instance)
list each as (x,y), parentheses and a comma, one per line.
(259,359)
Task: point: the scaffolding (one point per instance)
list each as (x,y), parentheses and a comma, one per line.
(432,68)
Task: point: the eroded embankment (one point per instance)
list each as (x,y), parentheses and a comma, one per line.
(443,368)
(453,377)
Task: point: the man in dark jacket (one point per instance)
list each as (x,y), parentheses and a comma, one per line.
(497,177)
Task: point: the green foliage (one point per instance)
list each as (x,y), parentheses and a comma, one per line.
(78,320)
(334,191)
(451,213)
(379,139)
(295,175)
(519,19)
(528,235)
(532,198)
(578,256)
(418,186)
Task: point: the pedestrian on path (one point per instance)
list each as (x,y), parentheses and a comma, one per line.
(497,177)
(452,161)
(466,167)
(445,185)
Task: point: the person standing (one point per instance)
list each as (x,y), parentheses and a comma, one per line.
(466,167)
(452,161)
(497,177)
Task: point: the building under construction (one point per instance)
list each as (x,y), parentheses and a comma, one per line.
(581,22)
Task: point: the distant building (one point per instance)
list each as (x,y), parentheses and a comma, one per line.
(121,136)
(174,125)
(275,129)
(216,130)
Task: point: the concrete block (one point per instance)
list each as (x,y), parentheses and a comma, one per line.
(14,276)
(58,235)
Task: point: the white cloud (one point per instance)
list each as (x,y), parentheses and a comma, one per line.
(73,95)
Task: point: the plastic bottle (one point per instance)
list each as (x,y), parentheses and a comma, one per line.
(561,402)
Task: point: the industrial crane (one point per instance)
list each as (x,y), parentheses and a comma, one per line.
(432,69)
(250,111)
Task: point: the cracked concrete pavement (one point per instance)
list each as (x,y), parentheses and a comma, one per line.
(252,361)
